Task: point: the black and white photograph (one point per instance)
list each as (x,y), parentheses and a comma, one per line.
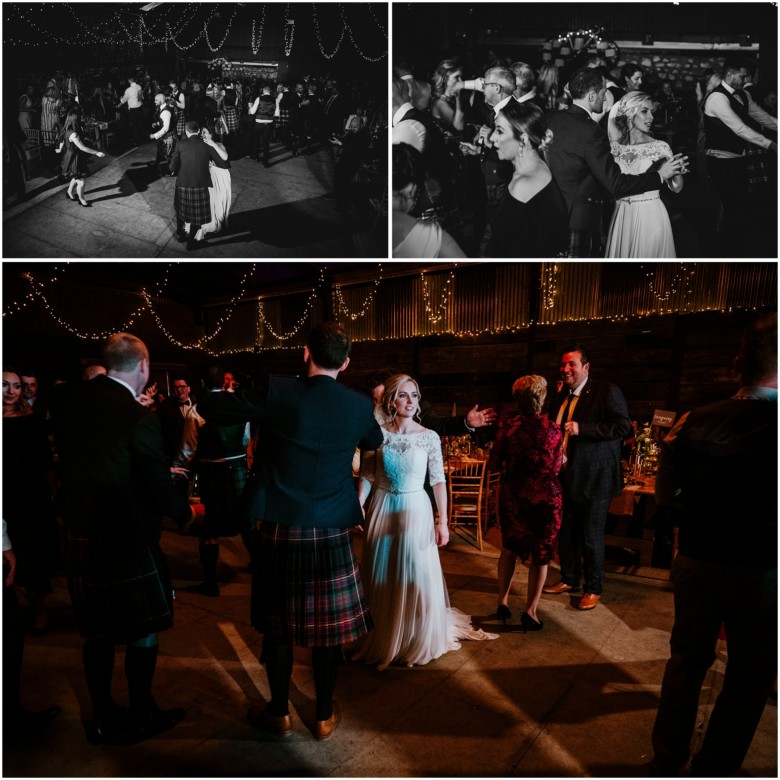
(142,130)
(618,130)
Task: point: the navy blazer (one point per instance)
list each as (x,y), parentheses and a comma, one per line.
(116,482)
(585,170)
(593,469)
(309,428)
(190,162)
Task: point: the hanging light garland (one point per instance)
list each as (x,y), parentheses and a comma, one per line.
(116,31)
(289,31)
(574,42)
(201,343)
(257,40)
(263,320)
(341,305)
(549,286)
(354,43)
(442,307)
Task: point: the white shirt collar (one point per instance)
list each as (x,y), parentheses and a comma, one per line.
(398,115)
(528,96)
(578,390)
(122,382)
(500,105)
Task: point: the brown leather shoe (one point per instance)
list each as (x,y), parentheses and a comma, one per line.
(588,601)
(559,588)
(278,725)
(324,728)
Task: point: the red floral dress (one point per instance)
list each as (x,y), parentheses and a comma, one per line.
(529,453)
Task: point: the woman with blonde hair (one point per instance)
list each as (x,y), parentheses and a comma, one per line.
(640,224)
(401,570)
(446,85)
(528,452)
(547,86)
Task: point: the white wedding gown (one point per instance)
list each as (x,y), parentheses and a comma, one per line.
(640,224)
(401,570)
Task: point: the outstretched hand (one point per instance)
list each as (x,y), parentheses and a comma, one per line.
(480,418)
(442,532)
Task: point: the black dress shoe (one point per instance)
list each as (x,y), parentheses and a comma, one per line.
(28,720)
(181,238)
(156,722)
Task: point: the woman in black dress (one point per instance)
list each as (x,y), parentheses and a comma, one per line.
(531,219)
(74,161)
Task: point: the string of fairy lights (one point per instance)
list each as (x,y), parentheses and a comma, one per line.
(670,287)
(117,30)
(438,313)
(340,305)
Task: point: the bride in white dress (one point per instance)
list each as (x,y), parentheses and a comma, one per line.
(640,224)
(401,570)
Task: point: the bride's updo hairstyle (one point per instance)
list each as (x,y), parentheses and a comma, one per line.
(625,112)
(392,387)
(529,393)
(528,118)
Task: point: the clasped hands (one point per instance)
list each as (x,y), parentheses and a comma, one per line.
(678,164)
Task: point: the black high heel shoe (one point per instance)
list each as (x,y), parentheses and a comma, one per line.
(86,205)
(503,613)
(69,197)
(527,623)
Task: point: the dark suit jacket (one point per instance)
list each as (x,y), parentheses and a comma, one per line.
(593,470)
(584,169)
(714,465)
(309,429)
(190,162)
(116,482)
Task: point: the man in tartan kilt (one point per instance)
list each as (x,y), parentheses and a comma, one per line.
(190,163)
(165,132)
(115,487)
(306,587)
(222,473)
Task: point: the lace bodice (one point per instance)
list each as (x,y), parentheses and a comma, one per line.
(399,465)
(637,158)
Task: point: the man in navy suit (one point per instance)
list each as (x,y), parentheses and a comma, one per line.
(306,587)
(190,163)
(594,419)
(583,166)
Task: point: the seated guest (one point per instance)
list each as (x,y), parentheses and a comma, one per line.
(415,237)
(531,218)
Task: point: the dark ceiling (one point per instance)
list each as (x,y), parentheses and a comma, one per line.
(195,283)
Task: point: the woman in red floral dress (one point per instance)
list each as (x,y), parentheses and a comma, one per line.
(529,453)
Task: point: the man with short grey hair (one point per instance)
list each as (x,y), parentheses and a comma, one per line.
(116,487)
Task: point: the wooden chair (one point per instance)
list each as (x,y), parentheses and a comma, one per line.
(465,489)
(490,509)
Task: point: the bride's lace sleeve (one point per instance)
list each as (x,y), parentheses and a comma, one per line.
(368,465)
(435,460)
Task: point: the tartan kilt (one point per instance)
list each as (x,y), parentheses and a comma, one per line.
(283,120)
(119,593)
(756,161)
(181,121)
(221,486)
(230,115)
(165,148)
(192,205)
(306,586)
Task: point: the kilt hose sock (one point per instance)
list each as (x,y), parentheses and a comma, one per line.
(325,662)
(278,660)
(140,664)
(98,657)
(209,555)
